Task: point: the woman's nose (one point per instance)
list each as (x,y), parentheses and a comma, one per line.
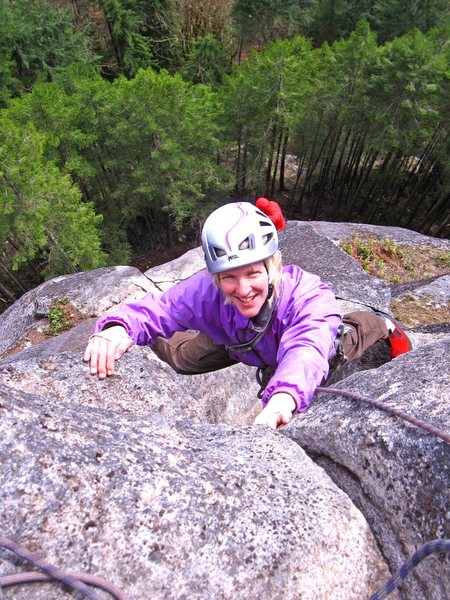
(243,286)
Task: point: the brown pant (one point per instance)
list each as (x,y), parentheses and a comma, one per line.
(191,353)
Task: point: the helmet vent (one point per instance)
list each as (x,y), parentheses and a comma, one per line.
(267,238)
(245,245)
(219,252)
(265,224)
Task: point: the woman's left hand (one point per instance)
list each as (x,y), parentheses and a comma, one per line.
(278,411)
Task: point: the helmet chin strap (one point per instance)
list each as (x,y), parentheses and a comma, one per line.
(247,346)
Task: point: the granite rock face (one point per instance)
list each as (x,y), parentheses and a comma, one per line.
(173,509)
(437,290)
(300,244)
(397,474)
(142,384)
(93,293)
(343,231)
(159,483)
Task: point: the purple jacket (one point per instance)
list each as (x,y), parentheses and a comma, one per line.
(298,344)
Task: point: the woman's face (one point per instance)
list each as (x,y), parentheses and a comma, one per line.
(246,287)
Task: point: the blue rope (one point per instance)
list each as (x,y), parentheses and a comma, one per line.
(408,566)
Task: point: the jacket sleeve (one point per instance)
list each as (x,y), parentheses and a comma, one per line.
(309,329)
(154,316)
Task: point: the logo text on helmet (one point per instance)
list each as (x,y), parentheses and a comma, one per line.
(233,256)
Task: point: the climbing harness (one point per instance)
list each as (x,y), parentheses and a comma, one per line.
(78,582)
(427,548)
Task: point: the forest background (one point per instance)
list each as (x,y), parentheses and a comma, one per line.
(123,123)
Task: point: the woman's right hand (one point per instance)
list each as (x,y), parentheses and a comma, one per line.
(104,348)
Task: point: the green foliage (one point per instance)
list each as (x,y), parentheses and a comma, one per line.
(393,262)
(8,83)
(160,28)
(404,85)
(43,215)
(41,40)
(263,97)
(207,62)
(166,163)
(61,316)
(258,22)
(143,150)
(395,18)
(89,165)
(331,20)
(130,48)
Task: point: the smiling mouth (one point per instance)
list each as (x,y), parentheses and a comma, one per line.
(247,300)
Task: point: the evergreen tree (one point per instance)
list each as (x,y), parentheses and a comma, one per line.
(41,40)
(394,18)
(258,22)
(43,216)
(8,83)
(260,100)
(130,48)
(160,27)
(207,62)
(331,20)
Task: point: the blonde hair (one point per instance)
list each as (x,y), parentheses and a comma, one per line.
(274,266)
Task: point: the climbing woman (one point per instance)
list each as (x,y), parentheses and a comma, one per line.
(246,307)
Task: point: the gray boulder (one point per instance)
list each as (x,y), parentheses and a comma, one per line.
(300,244)
(173,509)
(398,475)
(142,383)
(338,232)
(164,276)
(436,290)
(92,293)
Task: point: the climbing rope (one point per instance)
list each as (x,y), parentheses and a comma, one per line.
(75,581)
(408,566)
(389,409)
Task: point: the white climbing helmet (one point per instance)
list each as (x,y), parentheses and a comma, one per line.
(237,234)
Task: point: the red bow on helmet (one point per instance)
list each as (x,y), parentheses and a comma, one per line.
(273,211)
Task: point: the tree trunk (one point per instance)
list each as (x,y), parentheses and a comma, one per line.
(238,160)
(16,246)
(297,180)
(281,186)
(337,172)
(7,293)
(433,180)
(443,229)
(277,161)
(354,205)
(311,155)
(440,200)
(373,196)
(13,278)
(69,264)
(270,159)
